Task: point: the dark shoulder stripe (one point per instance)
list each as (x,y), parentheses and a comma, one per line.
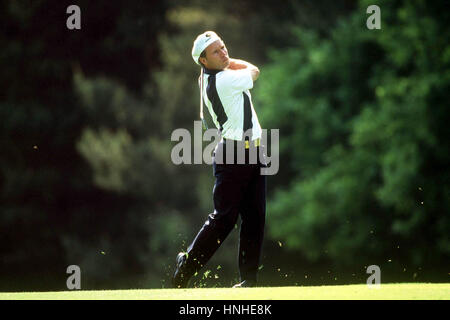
(248,124)
(213,96)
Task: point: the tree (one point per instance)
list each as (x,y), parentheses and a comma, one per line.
(360,138)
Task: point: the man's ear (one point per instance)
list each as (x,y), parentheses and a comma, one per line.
(202,60)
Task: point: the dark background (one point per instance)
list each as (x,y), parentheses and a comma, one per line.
(86,118)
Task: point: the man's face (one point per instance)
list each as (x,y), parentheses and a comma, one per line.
(216,56)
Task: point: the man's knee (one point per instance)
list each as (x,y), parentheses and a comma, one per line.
(225,219)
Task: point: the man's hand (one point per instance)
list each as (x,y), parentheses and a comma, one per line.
(236,64)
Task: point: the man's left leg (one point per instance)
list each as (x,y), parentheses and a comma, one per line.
(253,212)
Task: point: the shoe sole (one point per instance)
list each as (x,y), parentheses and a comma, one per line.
(178,264)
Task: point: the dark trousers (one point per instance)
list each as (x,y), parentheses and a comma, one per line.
(239,189)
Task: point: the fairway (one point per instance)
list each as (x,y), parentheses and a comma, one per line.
(420,291)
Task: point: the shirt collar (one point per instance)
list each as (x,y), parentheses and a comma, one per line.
(211,71)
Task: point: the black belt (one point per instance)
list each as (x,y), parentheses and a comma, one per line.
(256,142)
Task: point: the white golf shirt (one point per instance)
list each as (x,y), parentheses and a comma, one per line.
(227,96)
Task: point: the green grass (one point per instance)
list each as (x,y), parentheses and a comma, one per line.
(422,291)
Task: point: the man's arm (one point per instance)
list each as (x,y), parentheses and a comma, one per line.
(236,64)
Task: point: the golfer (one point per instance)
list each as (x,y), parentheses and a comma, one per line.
(239,188)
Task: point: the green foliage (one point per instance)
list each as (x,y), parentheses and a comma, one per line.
(357,127)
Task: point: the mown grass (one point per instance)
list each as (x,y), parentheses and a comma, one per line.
(421,291)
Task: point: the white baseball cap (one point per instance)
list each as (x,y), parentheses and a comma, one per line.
(202,42)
